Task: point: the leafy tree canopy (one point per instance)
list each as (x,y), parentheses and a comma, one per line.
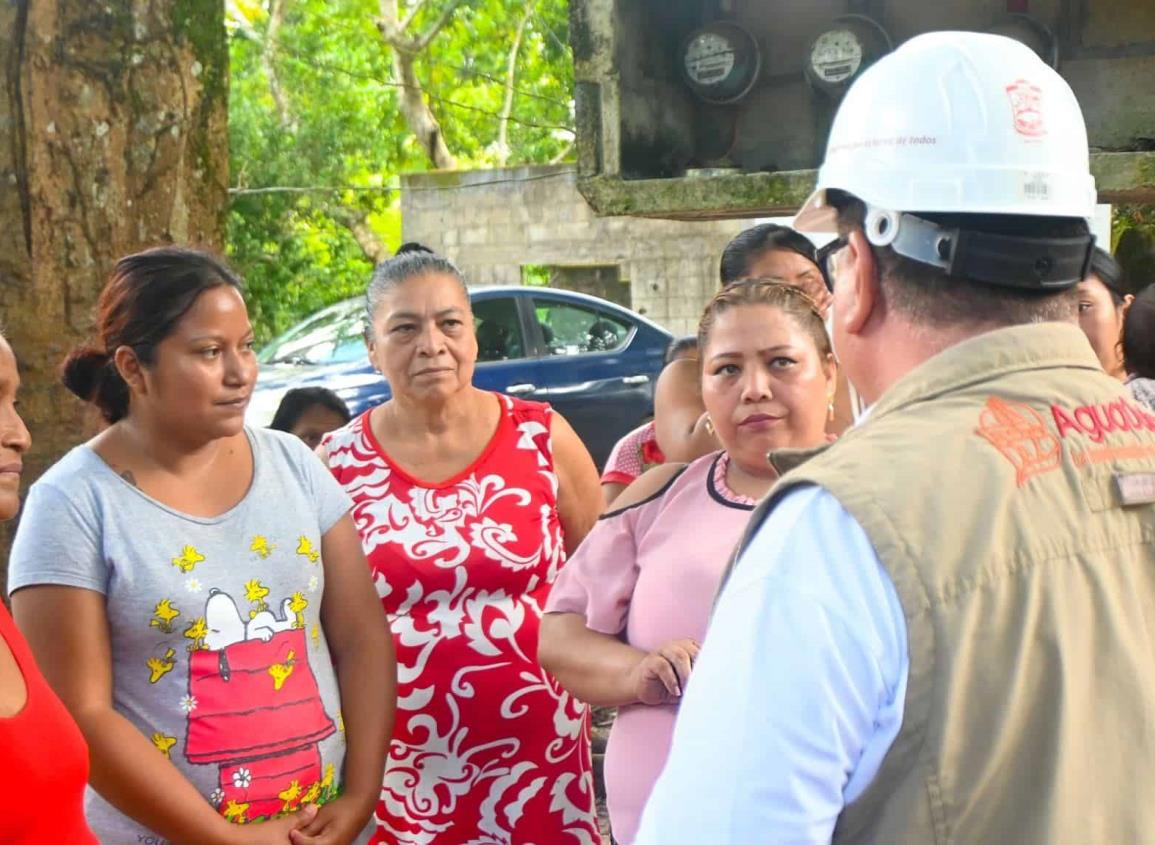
(318,135)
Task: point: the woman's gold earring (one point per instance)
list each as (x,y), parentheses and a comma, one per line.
(830,409)
(710,427)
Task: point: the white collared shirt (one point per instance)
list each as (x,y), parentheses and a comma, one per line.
(798,692)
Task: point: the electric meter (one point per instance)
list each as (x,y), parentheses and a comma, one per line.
(838,55)
(721,62)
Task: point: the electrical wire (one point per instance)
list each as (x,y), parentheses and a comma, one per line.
(239,191)
(317,65)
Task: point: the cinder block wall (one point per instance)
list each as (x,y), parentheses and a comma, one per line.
(491,222)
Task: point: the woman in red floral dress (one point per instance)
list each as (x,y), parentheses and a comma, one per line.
(467,502)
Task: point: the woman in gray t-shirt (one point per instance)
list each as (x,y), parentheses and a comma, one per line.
(195,590)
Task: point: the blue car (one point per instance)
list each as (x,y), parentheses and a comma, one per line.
(592,360)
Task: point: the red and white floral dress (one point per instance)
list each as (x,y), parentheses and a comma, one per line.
(487,748)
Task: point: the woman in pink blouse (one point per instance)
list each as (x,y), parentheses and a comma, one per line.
(625,616)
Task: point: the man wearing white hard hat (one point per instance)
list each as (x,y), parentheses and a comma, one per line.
(942,628)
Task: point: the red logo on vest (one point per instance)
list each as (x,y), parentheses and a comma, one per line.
(1020,433)
(1097,421)
(1027,108)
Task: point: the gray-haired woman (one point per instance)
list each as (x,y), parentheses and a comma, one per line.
(467,503)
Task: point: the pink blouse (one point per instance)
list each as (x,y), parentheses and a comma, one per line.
(650,572)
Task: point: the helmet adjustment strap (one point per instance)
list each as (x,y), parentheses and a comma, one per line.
(1036,264)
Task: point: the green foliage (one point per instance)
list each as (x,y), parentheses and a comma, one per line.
(536,275)
(200,24)
(1133,235)
(341,127)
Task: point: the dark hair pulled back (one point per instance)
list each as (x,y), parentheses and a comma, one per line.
(1110,273)
(1139,335)
(146,296)
(412,260)
(750,244)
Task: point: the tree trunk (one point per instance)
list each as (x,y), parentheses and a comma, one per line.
(112,139)
(419,116)
(269,64)
(510,79)
(417,113)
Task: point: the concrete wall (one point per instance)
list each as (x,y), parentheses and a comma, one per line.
(491,222)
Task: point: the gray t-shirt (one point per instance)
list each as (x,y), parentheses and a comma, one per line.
(218,655)
(1143,389)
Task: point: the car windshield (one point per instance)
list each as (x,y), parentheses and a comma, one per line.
(333,336)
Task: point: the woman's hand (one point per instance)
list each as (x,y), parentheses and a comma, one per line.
(337,823)
(660,677)
(275,831)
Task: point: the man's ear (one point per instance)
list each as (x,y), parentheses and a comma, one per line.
(131,370)
(861,274)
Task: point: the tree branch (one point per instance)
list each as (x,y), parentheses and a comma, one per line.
(422,122)
(560,157)
(358,225)
(268,44)
(510,78)
(425,40)
(390,29)
(418,115)
(413,12)
(565,48)
(388,9)
(268,49)
(433,98)
(242,22)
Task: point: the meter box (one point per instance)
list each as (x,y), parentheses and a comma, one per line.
(707,108)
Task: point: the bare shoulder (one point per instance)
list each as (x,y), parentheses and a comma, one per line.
(558,423)
(648,485)
(570,454)
(565,439)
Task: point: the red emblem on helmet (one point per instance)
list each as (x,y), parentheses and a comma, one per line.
(1027,108)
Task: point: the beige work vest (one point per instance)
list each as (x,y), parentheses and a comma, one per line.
(1007,486)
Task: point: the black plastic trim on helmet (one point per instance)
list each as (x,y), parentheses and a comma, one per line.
(1023,263)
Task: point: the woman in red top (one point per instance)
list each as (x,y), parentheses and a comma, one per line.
(467,503)
(43,758)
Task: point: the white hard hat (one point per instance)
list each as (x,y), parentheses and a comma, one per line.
(957,122)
